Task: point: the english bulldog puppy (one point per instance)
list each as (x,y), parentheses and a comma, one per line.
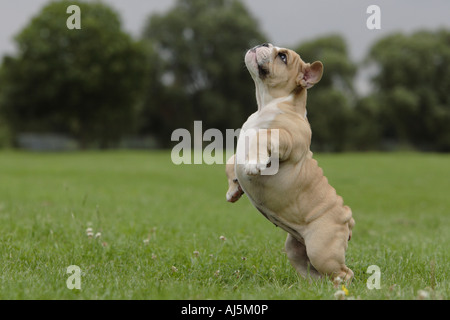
(296,196)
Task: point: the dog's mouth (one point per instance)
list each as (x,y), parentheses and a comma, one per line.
(262,71)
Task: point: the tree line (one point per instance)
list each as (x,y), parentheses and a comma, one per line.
(98,84)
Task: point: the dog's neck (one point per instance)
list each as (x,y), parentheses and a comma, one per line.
(297,98)
(299,102)
(263,98)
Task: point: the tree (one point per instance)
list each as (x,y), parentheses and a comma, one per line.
(330,101)
(412,88)
(5,138)
(79,82)
(203,76)
(366,128)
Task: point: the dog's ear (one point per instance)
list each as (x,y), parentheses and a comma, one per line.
(310,74)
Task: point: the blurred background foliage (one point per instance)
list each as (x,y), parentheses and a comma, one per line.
(200,45)
(99,86)
(81,83)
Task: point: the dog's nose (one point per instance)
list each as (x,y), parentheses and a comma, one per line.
(266,44)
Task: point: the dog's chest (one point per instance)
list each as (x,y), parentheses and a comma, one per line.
(262,119)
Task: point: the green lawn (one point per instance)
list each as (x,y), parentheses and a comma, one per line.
(161,228)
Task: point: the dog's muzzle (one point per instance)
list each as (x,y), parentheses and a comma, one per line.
(257,59)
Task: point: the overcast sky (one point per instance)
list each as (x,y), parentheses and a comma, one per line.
(285,22)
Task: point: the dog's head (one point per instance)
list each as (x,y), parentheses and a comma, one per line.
(281,71)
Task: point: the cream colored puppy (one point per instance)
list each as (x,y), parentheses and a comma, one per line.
(297,197)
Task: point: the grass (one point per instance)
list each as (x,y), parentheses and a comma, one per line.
(161,225)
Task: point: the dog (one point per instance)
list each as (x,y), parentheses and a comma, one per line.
(298,197)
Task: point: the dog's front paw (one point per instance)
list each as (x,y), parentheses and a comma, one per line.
(251,169)
(255,168)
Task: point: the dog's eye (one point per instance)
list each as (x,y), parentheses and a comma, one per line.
(283,57)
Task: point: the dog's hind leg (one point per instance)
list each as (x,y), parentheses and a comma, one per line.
(296,252)
(326,250)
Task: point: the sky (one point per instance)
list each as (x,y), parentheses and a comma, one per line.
(286,23)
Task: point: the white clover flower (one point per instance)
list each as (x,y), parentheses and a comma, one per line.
(339,295)
(423,295)
(337,281)
(89,232)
